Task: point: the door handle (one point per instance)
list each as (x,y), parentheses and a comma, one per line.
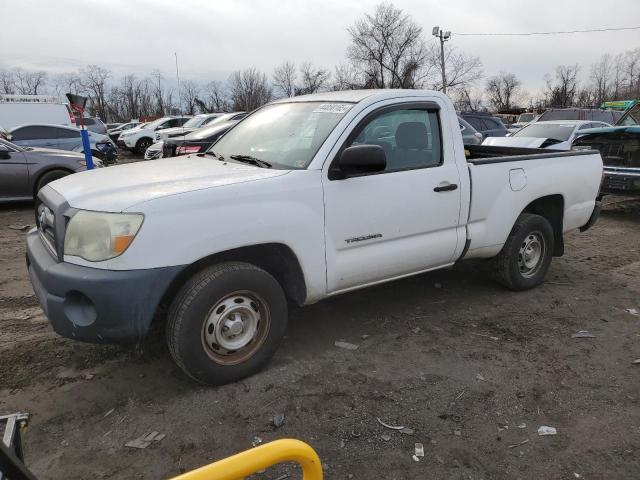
(446,188)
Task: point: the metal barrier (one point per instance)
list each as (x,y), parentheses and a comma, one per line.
(251,461)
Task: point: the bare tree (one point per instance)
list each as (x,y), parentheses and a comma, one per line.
(467,99)
(7,82)
(388,48)
(462,70)
(562,89)
(93,79)
(632,72)
(158,93)
(313,79)
(214,98)
(249,89)
(345,77)
(189,92)
(502,90)
(600,77)
(63,83)
(284,79)
(29,82)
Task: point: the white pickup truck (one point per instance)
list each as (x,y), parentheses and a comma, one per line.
(304,199)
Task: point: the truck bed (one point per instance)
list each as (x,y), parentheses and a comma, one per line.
(488,154)
(506,180)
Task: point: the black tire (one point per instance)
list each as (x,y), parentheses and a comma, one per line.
(199,311)
(142,145)
(48,177)
(517,266)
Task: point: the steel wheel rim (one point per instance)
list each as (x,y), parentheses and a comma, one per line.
(236,327)
(531,254)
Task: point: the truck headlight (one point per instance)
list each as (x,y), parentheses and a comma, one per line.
(97,236)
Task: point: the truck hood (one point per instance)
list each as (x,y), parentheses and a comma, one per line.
(118,188)
(526,142)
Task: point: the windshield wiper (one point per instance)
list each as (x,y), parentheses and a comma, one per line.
(250,160)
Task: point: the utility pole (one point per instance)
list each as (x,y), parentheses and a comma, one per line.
(443,36)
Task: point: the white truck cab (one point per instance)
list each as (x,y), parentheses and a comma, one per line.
(305,198)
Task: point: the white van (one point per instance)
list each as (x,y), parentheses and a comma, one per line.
(16,110)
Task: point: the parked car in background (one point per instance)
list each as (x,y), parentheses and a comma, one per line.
(139,139)
(198,141)
(64,138)
(29,109)
(470,136)
(93,124)
(556,135)
(484,123)
(111,126)
(115,132)
(620,150)
(522,120)
(595,114)
(189,126)
(24,171)
(154,151)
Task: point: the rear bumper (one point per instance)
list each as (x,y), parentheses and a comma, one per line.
(95,305)
(625,181)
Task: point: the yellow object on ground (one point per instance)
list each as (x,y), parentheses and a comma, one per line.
(251,461)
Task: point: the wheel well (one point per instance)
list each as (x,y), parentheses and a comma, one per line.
(275,258)
(144,138)
(551,207)
(35,184)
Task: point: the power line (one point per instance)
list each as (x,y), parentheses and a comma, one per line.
(548,33)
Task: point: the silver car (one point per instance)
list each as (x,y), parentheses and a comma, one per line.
(63,138)
(24,171)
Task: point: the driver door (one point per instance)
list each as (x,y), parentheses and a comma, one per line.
(399,221)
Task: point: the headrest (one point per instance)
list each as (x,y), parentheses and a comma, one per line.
(412,135)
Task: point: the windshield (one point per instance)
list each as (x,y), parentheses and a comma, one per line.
(287,135)
(557,131)
(526,117)
(194,122)
(631,117)
(11,145)
(155,123)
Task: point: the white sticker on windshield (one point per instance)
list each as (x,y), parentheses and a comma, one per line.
(333,108)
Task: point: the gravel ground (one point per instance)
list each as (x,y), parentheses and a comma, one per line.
(472,369)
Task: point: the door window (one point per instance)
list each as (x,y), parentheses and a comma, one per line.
(409,137)
(475,123)
(34,133)
(66,133)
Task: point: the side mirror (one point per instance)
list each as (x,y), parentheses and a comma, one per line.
(4,152)
(358,160)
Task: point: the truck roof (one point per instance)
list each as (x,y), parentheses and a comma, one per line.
(355,96)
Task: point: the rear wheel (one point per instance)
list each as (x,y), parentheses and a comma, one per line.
(525,257)
(142,145)
(48,177)
(226,322)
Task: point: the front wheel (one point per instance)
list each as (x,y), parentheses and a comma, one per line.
(526,255)
(142,145)
(226,322)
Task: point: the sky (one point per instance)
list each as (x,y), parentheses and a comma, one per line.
(213,38)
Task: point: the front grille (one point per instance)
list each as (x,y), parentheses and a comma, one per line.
(47,227)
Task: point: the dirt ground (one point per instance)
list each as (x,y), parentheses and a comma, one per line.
(473,369)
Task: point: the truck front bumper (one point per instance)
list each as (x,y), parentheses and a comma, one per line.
(92,304)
